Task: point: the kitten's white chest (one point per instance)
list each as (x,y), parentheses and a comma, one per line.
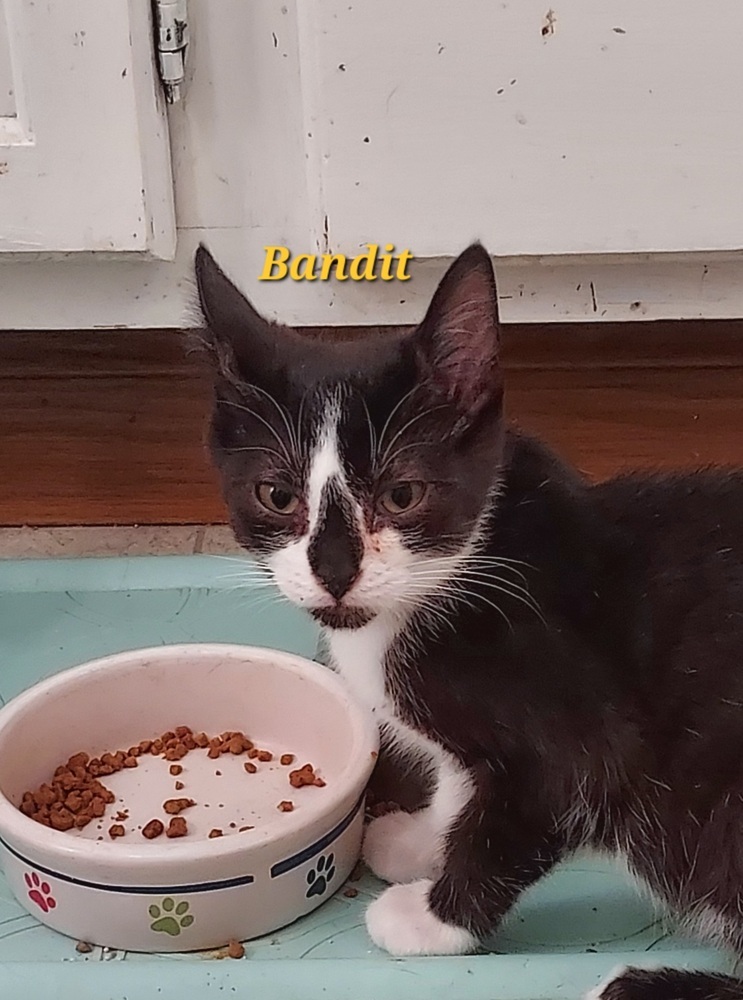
(358,656)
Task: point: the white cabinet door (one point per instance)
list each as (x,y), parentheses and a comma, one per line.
(84,159)
(596,127)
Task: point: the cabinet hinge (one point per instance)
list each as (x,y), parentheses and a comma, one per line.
(171,43)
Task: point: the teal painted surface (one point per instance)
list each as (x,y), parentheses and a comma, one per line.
(565,937)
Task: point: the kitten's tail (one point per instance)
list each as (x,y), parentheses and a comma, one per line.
(668,984)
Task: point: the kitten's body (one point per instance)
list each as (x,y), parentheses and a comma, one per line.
(628,733)
(565,656)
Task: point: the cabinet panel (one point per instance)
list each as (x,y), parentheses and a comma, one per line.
(593,128)
(84,161)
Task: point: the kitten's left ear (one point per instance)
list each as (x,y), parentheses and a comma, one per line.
(225,308)
(459,340)
(243,345)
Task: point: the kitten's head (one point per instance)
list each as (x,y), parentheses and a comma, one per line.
(358,471)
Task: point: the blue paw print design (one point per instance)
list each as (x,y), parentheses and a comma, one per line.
(320,877)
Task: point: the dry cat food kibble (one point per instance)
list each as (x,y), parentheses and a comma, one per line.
(153,829)
(305,776)
(235,949)
(75,795)
(358,871)
(174,806)
(177,827)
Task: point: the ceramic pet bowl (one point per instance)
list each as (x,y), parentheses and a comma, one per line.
(267,868)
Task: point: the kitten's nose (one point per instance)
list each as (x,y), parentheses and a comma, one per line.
(336,580)
(335,552)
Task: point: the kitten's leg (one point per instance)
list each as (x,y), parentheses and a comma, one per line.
(718,919)
(492,856)
(668,984)
(403,847)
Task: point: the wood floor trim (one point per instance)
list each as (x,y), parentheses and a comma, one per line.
(107,427)
(554,346)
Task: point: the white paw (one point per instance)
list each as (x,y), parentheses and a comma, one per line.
(401,923)
(598,992)
(403,847)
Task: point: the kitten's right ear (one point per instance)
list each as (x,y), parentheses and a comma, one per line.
(235,331)
(226,310)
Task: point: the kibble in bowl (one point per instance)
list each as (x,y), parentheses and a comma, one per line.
(114,777)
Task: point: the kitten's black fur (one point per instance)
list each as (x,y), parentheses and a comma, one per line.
(612,718)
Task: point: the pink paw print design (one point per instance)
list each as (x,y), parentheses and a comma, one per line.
(40,892)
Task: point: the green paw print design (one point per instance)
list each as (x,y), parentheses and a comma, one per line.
(170,917)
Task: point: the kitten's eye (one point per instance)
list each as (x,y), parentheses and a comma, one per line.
(277,498)
(402,497)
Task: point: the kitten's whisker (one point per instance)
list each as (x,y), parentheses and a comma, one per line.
(246,560)
(492,604)
(246,573)
(456,558)
(448,587)
(246,581)
(243,567)
(293,441)
(485,560)
(249,576)
(262,420)
(527,601)
(372,432)
(515,590)
(300,414)
(409,424)
(476,564)
(428,608)
(398,451)
(258,447)
(489,574)
(247,588)
(266,602)
(395,408)
(483,556)
(453,571)
(460,597)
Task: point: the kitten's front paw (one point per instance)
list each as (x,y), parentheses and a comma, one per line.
(402,847)
(401,922)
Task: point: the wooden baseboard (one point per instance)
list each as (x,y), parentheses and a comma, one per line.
(107,427)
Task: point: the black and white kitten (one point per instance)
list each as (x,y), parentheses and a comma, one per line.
(567,657)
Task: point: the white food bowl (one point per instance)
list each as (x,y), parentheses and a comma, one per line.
(195,892)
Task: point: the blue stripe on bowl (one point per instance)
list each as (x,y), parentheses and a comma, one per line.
(141,890)
(282,867)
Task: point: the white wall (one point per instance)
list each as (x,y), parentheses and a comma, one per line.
(572,175)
